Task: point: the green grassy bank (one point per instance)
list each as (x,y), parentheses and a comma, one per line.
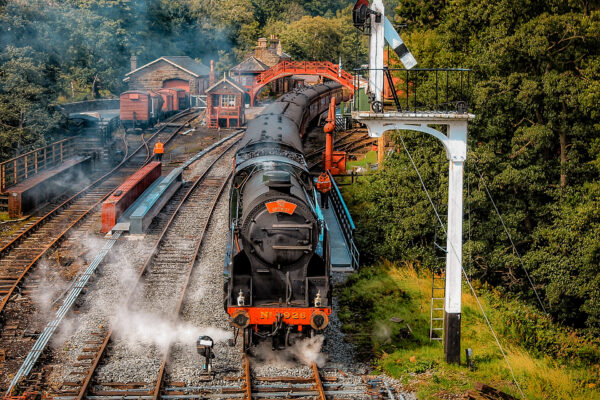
(549,361)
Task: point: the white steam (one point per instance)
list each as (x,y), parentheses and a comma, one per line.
(139,329)
(305,352)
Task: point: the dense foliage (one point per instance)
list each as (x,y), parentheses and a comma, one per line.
(535,139)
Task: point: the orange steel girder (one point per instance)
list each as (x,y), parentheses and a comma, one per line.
(325,69)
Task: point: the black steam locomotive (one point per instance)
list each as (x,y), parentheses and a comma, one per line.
(277,267)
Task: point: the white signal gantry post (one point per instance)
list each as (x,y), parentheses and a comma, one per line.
(455,143)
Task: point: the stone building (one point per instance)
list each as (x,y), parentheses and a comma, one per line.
(169,72)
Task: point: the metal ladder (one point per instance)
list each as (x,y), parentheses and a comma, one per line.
(438,293)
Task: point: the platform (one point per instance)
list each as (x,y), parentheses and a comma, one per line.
(344,254)
(44,186)
(341,261)
(140,215)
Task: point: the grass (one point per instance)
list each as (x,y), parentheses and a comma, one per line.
(376,294)
(4,216)
(369,158)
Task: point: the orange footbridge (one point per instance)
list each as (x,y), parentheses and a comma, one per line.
(324,69)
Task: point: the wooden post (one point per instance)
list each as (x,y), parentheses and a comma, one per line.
(380,150)
(15,171)
(36,161)
(61,151)
(26,166)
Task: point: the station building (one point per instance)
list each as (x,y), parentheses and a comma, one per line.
(180,72)
(267,54)
(225,104)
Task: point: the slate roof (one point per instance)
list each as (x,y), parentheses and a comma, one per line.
(226,80)
(184,63)
(250,64)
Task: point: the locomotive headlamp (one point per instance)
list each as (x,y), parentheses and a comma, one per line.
(204,345)
(318,299)
(319,320)
(241,299)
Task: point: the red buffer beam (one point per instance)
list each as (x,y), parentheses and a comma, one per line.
(127,193)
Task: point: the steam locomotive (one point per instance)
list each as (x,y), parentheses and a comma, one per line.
(277,266)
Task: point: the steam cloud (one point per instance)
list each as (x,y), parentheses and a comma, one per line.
(305,352)
(140,329)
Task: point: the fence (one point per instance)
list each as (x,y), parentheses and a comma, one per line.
(420,89)
(345,220)
(30,164)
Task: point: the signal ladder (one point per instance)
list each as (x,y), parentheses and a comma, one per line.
(438,293)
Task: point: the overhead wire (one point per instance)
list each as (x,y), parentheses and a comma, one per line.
(514,378)
(509,237)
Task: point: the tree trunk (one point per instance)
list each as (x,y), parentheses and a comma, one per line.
(94,89)
(72,90)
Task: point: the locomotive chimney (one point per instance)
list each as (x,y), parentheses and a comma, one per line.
(133,63)
(211,77)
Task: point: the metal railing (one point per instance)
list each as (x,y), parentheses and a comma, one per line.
(25,166)
(446,90)
(345,220)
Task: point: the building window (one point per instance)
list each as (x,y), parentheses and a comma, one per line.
(228,100)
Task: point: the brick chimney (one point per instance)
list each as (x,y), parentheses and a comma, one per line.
(262,42)
(133,63)
(211,77)
(273,43)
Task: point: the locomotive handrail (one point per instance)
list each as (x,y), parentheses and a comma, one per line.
(345,220)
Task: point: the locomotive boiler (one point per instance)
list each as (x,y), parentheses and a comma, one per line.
(277,267)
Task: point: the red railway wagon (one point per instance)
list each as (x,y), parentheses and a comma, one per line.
(140,108)
(183,99)
(170,101)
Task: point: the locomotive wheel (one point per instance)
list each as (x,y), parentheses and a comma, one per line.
(247,342)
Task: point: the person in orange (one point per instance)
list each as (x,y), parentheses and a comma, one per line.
(159,150)
(324,186)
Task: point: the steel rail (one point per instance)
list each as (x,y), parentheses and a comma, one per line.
(63,205)
(163,364)
(88,379)
(318,382)
(248,377)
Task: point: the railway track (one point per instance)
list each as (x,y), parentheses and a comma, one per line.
(318,383)
(349,142)
(160,291)
(36,243)
(22,253)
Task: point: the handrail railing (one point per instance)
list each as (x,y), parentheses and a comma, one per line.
(415,90)
(345,220)
(25,166)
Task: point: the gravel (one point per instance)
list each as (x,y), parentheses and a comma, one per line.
(202,313)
